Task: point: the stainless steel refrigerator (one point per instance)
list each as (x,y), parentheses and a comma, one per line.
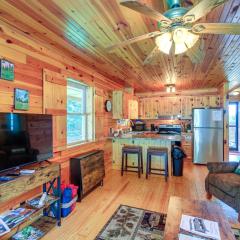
(207,135)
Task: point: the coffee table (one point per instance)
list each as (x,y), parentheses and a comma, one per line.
(203,209)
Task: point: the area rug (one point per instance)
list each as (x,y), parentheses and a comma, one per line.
(129,223)
(236,233)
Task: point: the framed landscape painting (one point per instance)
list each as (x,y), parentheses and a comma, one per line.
(21,99)
(6,70)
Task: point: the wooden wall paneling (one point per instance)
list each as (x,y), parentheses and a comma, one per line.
(99,116)
(59,133)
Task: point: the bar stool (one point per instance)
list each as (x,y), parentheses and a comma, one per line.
(154,151)
(132,150)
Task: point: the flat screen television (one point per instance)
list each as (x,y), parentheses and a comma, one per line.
(24,139)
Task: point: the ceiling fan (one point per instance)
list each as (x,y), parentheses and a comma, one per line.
(177,32)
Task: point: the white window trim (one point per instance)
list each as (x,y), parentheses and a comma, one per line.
(85,113)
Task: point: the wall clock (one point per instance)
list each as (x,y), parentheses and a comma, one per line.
(108,106)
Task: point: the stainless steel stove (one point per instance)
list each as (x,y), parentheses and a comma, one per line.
(170,129)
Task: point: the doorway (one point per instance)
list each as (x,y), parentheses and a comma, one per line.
(233,126)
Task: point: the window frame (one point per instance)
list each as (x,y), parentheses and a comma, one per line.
(87,90)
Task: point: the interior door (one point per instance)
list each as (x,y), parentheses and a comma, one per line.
(233,126)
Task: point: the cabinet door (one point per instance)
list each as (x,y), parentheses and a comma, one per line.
(133,109)
(117,105)
(125,109)
(54,93)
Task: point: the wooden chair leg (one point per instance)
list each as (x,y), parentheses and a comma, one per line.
(209,196)
(147,166)
(122,164)
(139,165)
(126,161)
(166,167)
(150,164)
(142,161)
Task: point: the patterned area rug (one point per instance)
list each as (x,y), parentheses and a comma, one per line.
(129,223)
(236,233)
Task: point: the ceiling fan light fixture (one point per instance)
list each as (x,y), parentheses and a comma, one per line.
(164,42)
(183,40)
(170,88)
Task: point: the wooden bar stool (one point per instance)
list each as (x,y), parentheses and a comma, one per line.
(132,150)
(154,151)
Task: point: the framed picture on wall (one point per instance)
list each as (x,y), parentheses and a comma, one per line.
(6,70)
(21,99)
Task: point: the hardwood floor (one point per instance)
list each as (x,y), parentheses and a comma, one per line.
(93,212)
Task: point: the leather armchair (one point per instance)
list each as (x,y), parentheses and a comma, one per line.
(224,184)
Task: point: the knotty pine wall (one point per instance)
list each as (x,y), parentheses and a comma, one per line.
(30,58)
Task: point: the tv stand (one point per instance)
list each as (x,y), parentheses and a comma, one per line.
(48,176)
(47,161)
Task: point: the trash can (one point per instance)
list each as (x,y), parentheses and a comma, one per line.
(177,157)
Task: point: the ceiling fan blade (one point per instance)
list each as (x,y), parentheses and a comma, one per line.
(133,40)
(151,55)
(201,9)
(143,9)
(196,53)
(217,28)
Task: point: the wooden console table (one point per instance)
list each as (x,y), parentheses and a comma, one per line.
(203,209)
(46,175)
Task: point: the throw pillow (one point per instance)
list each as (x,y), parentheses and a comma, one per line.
(237,170)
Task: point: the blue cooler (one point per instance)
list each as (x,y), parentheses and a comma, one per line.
(66,202)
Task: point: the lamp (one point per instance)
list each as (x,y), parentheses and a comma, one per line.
(234,93)
(182,38)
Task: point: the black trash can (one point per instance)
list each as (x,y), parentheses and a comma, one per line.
(177,156)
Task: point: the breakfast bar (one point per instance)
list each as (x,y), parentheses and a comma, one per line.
(145,140)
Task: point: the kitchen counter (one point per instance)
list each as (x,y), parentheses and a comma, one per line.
(145,140)
(149,135)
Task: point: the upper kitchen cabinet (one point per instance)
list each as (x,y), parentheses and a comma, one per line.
(125,105)
(132,109)
(155,107)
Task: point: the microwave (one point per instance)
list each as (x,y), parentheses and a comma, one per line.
(138,127)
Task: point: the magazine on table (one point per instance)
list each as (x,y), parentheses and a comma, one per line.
(35,202)
(14,217)
(198,228)
(3,228)
(28,233)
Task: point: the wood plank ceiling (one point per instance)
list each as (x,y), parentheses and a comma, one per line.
(84,28)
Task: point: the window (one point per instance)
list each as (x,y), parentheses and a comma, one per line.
(79,113)
(233,126)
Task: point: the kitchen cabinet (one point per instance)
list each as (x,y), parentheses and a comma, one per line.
(187,145)
(132,109)
(153,107)
(125,105)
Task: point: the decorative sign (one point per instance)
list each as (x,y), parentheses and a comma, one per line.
(6,70)
(21,99)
